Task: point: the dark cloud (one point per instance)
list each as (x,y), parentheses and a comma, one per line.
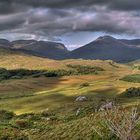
(124,5)
(113,4)
(56,17)
(8,7)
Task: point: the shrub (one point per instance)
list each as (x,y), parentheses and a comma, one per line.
(12,134)
(6,115)
(85,69)
(22,124)
(30,116)
(123,123)
(131,92)
(75,70)
(4,74)
(84,85)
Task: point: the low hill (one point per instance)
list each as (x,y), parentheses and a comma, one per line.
(16,59)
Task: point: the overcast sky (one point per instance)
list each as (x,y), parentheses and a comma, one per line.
(73,22)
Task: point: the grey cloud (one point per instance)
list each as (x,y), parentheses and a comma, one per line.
(113,4)
(56,17)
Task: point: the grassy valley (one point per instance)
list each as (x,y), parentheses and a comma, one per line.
(38,96)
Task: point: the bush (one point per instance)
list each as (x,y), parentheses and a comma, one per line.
(84,85)
(30,116)
(85,69)
(4,74)
(12,134)
(22,124)
(131,92)
(21,73)
(6,115)
(118,124)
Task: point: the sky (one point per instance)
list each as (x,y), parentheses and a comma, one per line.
(72,22)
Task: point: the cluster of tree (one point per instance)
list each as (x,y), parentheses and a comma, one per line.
(16,74)
(137,67)
(132,92)
(80,69)
(74,70)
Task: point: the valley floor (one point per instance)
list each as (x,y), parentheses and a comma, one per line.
(57,95)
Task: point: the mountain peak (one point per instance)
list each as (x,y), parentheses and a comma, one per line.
(106,37)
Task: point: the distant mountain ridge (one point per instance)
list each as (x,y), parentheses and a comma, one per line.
(5,43)
(104,48)
(107,47)
(135,42)
(47,49)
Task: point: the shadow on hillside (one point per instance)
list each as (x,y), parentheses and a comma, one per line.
(28,86)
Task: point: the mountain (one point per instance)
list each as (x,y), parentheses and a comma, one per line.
(50,50)
(47,49)
(5,43)
(107,47)
(135,42)
(104,48)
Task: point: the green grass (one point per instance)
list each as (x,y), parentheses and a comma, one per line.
(135,78)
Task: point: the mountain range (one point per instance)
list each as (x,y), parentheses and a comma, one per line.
(104,48)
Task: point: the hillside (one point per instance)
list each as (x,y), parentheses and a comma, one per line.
(47,49)
(46,107)
(12,59)
(5,43)
(135,42)
(106,81)
(42,48)
(105,48)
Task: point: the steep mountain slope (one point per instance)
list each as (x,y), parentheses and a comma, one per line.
(42,48)
(107,47)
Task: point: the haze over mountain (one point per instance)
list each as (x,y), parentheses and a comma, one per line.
(104,48)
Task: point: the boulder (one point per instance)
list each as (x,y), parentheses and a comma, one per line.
(81,98)
(106,106)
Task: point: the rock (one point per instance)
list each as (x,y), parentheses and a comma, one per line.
(106,106)
(81,98)
(78,111)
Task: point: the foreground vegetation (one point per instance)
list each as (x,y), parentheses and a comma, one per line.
(117,123)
